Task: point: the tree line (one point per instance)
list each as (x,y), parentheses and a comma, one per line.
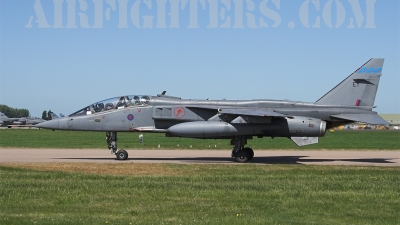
(14,112)
(18,113)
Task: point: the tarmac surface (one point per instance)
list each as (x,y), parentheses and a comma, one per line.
(322,157)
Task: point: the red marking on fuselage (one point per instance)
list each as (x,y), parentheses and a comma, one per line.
(179,112)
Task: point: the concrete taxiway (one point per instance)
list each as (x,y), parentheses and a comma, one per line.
(322,157)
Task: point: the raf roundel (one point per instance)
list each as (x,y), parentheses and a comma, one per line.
(130,117)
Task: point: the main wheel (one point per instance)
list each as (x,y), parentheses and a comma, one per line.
(122,155)
(242,156)
(250,152)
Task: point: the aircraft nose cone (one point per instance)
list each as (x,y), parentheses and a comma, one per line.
(51,124)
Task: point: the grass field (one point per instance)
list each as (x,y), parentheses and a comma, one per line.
(90,193)
(34,138)
(198,194)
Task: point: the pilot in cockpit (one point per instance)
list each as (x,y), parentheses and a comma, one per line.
(128,101)
(122,103)
(137,100)
(109,106)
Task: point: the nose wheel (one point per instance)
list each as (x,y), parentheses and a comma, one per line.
(111,138)
(122,154)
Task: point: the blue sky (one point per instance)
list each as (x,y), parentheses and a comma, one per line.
(64,69)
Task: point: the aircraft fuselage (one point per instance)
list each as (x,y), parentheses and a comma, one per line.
(162,112)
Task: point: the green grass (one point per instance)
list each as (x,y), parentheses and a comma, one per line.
(204,194)
(34,138)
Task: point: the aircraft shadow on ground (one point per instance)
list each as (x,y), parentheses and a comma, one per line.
(258,160)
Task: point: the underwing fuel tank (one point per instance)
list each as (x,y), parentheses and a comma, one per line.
(203,129)
(280,127)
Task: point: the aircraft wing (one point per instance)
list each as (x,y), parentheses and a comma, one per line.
(252,112)
(365,118)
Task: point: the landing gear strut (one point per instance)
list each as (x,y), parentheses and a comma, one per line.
(111,138)
(239,152)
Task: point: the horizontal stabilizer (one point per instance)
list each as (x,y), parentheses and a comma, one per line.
(302,141)
(365,118)
(252,112)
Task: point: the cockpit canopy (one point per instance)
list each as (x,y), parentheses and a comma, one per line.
(114,103)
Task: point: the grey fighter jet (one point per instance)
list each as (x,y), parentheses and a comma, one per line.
(4,120)
(30,120)
(23,121)
(349,101)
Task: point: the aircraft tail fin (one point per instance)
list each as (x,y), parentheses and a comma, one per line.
(53,116)
(2,115)
(358,89)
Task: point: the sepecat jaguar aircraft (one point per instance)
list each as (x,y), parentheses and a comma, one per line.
(350,101)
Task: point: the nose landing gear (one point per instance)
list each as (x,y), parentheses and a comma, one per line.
(111,138)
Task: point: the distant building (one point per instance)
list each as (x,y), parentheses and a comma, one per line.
(393,119)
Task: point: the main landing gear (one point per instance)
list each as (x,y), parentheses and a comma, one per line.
(111,138)
(239,152)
